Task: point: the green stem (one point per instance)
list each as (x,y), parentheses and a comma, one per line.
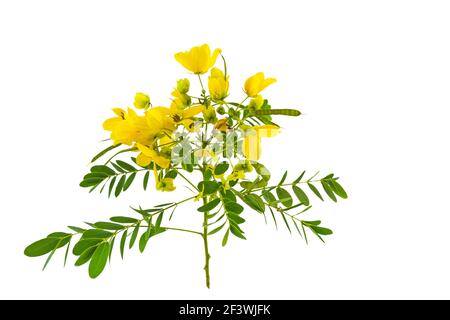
(201,83)
(205,244)
(186,179)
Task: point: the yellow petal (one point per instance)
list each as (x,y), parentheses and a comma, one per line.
(111,123)
(183,59)
(142,160)
(162,161)
(119,112)
(192,111)
(214,58)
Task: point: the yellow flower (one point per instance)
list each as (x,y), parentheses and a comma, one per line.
(257,83)
(181,100)
(199,59)
(221,125)
(141,100)
(185,116)
(159,120)
(148,155)
(218,85)
(128,128)
(165,184)
(251,146)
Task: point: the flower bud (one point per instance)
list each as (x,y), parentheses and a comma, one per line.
(221,110)
(183,85)
(209,114)
(141,100)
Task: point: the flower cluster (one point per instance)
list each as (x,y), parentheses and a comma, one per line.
(152,130)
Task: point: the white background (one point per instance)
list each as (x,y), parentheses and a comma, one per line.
(372,78)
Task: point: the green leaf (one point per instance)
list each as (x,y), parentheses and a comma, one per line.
(130,179)
(143,241)
(262,171)
(163,205)
(120,186)
(254,202)
(229,196)
(41,247)
(172,174)
(76,229)
(208,187)
(315,191)
(235,218)
(67,253)
(58,235)
(134,235)
(128,167)
(313,223)
(283,178)
(111,246)
(96,175)
(104,151)
(285,221)
(83,245)
(103,169)
(108,225)
(321,230)
(237,232)
(233,207)
(118,168)
(209,206)
(338,189)
(111,186)
(225,238)
(328,190)
(123,219)
(301,195)
(85,256)
(284,196)
(96,234)
(99,259)
(123,241)
(274,219)
(147,175)
(299,178)
(159,220)
(90,182)
(221,168)
(269,197)
(216,229)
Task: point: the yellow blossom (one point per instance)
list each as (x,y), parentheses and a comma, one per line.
(251,146)
(218,85)
(221,125)
(257,83)
(185,117)
(165,184)
(199,59)
(181,101)
(148,155)
(128,128)
(141,100)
